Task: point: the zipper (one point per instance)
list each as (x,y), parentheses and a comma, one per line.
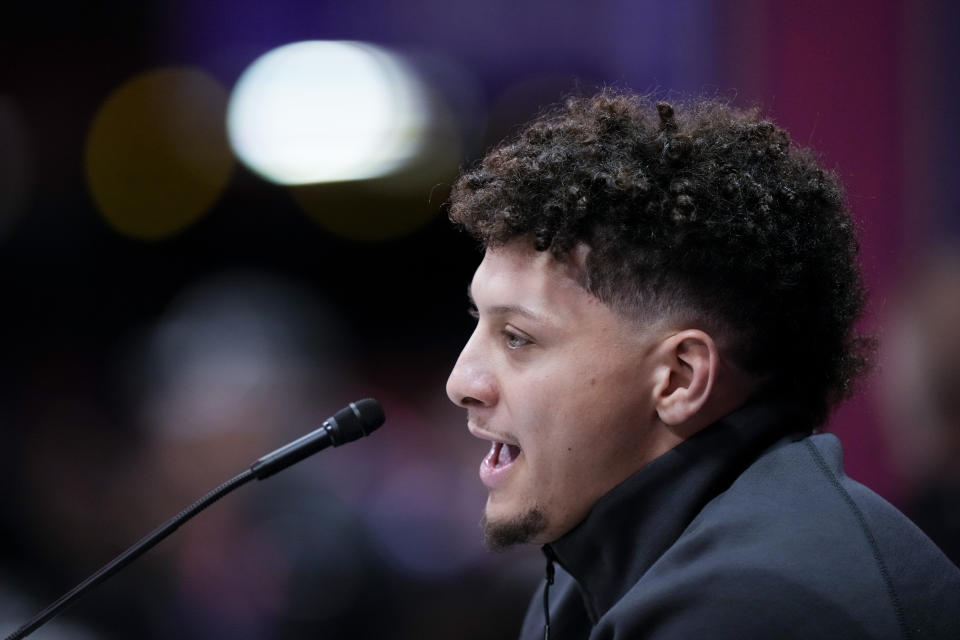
(548,552)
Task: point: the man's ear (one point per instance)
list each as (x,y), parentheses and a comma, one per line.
(685,375)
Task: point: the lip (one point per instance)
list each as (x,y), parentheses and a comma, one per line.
(491,475)
(494,476)
(483,434)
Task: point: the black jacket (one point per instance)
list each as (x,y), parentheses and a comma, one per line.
(745,532)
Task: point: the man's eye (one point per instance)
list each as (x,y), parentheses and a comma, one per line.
(513,340)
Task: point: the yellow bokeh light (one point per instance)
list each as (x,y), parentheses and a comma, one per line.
(371,210)
(157,156)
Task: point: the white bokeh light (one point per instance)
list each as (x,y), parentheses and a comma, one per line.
(326,111)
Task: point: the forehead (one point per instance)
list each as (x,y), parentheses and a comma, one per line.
(517,274)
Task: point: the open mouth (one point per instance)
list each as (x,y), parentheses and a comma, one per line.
(497,463)
(502,454)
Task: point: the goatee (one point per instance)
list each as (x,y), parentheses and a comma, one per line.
(498,536)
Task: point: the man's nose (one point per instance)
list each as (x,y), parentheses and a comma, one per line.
(471,382)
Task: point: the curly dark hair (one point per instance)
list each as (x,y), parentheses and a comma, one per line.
(702,210)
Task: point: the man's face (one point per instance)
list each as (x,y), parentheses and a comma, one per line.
(561,386)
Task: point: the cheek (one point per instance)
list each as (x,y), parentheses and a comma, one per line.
(565,429)
(596,415)
(595,386)
(564,404)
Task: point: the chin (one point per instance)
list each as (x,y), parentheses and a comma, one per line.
(502,533)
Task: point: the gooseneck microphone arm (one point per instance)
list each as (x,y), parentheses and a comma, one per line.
(358,419)
(145,544)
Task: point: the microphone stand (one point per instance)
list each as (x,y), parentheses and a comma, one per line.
(357,419)
(145,544)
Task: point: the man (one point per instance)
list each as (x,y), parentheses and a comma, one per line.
(665,315)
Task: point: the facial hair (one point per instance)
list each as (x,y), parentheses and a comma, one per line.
(498,536)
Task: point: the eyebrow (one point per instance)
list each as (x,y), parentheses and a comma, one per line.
(506,309)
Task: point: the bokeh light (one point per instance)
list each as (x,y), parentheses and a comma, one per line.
(394,205)
(326,111)
(157,156)
(373,210)
(238,351)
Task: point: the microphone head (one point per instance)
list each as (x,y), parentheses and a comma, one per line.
(360,418)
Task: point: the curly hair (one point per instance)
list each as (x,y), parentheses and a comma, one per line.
(704,211)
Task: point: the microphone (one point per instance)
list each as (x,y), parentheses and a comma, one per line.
(360,418)
(357,419)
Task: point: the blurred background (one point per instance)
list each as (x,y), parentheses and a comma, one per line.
(222,221)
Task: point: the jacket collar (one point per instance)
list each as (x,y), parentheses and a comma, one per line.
(634,524)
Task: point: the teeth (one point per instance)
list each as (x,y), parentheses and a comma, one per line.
(501,453)
(506,454)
